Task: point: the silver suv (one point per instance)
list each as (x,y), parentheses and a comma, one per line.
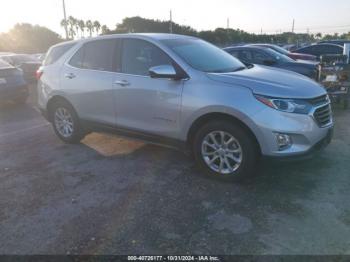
(183,92)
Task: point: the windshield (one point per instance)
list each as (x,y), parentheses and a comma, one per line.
(204,56)
(279,49)
(278,56)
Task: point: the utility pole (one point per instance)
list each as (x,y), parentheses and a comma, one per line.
(228,23)
(171,22)
(261,31)
(293,25)
(65,18)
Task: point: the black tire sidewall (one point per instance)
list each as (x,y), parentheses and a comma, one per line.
(77,130)
(248,145)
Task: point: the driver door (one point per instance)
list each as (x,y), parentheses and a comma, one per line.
(143,103)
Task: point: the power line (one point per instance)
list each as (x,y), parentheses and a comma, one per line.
(321,28)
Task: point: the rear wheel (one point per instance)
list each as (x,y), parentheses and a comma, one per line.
(66,123)
(225,150)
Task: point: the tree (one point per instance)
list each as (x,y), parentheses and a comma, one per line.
(89,26)
(105,30)
(81,24)
(27,38)
(64,24)
(72,26)
(97,26)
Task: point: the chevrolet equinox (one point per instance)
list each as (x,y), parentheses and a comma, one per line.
(183,92)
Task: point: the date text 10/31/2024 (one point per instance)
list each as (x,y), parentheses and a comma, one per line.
(173,258)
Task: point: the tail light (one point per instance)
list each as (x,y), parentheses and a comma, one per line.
(38,74)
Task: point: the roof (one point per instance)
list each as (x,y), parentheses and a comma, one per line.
(154,36)
(151,36)
(246,47)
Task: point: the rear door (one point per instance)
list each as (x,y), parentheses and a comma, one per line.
(87,79)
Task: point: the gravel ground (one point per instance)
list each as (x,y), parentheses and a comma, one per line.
(115,196)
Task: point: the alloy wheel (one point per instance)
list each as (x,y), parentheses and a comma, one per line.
(64,122)
(222,152)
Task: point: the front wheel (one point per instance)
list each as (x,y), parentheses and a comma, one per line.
(225,150)
(66,123)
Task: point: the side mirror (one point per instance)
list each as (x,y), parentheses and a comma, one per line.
(163,71)
(269,62)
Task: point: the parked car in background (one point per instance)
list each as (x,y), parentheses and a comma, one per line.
(260,55)
(281,50)
(12,84)
(27,63)
(335,42)
(40,56)
(321,49)
(184,92)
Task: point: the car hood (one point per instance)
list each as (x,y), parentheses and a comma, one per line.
(272,82)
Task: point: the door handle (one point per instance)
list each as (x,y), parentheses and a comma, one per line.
(122,83)
(70,75)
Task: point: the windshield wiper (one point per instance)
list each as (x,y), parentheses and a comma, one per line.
(240,68)
(228,70)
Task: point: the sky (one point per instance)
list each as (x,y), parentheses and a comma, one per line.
(270,16)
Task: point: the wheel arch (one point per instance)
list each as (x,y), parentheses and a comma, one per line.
(52,101)
(214,116)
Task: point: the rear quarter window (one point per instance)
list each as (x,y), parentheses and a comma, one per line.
(56,52)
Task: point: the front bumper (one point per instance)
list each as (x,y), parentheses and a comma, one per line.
(305,133)
(308,154)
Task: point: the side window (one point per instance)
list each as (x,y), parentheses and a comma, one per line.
(260,57)
(245,56)
(77,59)
(99,55)
(56,52)
(308,50)
(139,56)
(235,53)
(319,50)
(334,50)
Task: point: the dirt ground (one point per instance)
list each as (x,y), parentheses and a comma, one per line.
(114,196)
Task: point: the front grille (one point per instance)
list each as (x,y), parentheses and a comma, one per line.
(323,115)
(319,100)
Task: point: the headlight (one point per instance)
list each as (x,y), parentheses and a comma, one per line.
(286,105)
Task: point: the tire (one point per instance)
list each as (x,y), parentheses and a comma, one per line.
(66,123)
(241,154)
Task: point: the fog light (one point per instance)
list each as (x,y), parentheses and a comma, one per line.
(284,141)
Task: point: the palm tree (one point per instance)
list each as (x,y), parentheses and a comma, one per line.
(104,29)
(64,24)
(89,26)
(97,26)
(72,26)
(81,24)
